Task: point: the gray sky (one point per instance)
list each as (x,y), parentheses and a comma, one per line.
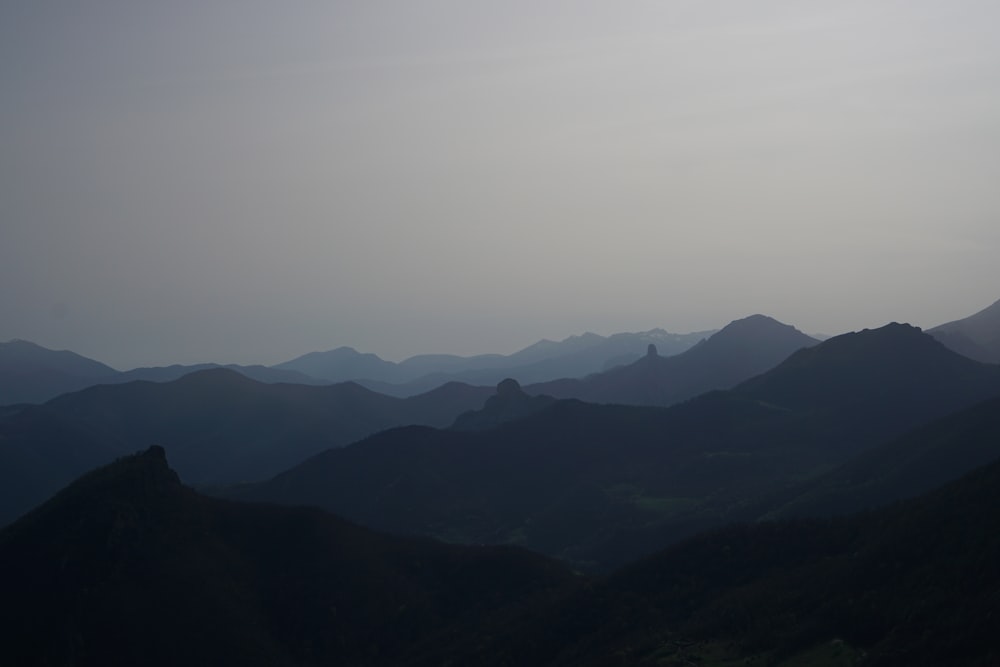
(246,181)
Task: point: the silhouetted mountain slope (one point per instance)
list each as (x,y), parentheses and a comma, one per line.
(885,377)
(739,351)
(908,466)
(601,484)
(128,567)
(218,425)
(976,336)
(30,373)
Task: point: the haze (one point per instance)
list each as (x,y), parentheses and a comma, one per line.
(248,181)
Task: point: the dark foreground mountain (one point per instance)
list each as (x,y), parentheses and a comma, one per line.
(218,426)
(126,566)
(976,336)
(599,485)
(741,350)
(31,373)
(913,584)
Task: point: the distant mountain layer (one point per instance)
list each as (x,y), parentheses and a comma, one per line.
(185,579)
(741,350)
(976,336)
(30,373)
(177,371)
(598,485)
(219,427)
(573,357)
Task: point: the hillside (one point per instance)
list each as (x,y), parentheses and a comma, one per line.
(30,373)
(217,425)
(976,336)
(126,566)
(905,467)
(913,584)
(185,579)
(891,378)
(741,350)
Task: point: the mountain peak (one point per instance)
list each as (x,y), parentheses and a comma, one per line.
(896,358)
(754,323)
(509,387)
(890,341)
(26,344)
(217,375)
(509,403)
(144,468)
(342,363)
(145,474)
(756,331)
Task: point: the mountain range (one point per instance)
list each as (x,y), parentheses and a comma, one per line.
(525,528)
(742,349)
(599,485)
(572,357)
(30,373)
(186,579)
(219,426)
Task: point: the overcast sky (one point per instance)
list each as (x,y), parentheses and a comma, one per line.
(245,181)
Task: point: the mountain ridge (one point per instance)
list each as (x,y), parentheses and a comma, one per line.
(976,336)
(218,425)
(740,350)
(598,484)
(187,579)
(545,359)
